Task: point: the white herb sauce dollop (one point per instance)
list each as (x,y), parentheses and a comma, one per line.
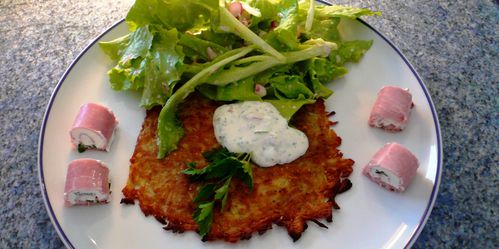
(258,128)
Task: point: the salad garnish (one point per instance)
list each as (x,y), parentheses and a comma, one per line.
(224,49)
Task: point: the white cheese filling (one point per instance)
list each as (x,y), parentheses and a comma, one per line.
(258,128)
(91,138)
(86,195)
(385,175)
(385,122)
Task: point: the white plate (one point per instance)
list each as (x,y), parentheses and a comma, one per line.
(370,216)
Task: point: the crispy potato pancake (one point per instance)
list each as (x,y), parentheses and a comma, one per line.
(288,195)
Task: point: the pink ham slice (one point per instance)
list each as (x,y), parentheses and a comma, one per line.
(393,167)
(87,183)
(93,128)
(391,109)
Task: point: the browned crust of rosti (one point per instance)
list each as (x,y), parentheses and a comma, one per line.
(287,195)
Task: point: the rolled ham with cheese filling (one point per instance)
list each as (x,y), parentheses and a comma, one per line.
(87,183)
(93,128)
(393,167)
(391,109)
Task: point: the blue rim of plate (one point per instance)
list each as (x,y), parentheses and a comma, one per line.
(434,191)
(46,200)
(409,243)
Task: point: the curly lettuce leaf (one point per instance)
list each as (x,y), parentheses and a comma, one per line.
(290,87)
(285,35)
(268,12)
(163,68)
(148,59)
(288,107)
(330,11)
(179,14)
(320,72)
(240,90)
(326,29)
(115,48)
(130,52)
(350,51)
(327,18)
(199,48)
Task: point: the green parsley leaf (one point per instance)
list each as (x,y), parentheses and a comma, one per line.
(217,176)
(204,216)
(205,193)
(217,154)
(222,192)
(82,148)
(244,172)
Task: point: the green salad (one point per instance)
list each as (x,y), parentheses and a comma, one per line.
(224,50)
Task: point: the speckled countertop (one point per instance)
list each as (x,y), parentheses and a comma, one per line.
(452,44)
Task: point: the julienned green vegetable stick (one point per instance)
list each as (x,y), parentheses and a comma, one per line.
(310,16)
(248,35)
(169,130)
(264,62)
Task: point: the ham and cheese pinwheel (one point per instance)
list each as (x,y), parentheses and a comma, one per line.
(87,183)
(391,109)
(392,167)
(93,128)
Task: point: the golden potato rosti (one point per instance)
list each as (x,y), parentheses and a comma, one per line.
(288,195)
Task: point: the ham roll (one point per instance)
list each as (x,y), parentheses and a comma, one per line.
(87,183)
(391,109)
(393,167)
(93,128)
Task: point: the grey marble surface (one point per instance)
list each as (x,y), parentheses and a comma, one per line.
(452,44)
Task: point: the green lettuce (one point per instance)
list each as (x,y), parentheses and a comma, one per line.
(129,51)
(182,15)
(259,63)
(331,11)
(163,69)
(290,87)
(268,13)
(148,59)
(288,107)
(170,130)
(197,48)
(227,22)
(175,47)
(284,36)
(350,51)
(326,29)
(240,90)
(320,72)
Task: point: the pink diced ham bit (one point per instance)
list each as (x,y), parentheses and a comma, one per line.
(392,167)
(391,109)
(87,183)
(236,9)
(260,90)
